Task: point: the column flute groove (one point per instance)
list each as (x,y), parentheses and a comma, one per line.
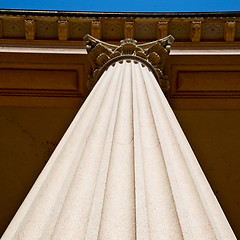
(97,205)
(189,207)
(197,214)
(142,228)
(81,190)
(58,167)
(212,208)
(160,202)
(118,216)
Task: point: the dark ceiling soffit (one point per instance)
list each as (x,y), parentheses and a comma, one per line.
(119,14)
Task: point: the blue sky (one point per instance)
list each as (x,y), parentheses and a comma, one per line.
(124,5)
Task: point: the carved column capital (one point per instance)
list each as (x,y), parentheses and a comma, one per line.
(153,54)
(30,29)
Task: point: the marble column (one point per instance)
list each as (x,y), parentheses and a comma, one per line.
(123,170)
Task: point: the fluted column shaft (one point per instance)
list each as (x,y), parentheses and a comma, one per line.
(123,170)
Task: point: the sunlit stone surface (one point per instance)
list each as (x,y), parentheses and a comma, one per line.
(123,170)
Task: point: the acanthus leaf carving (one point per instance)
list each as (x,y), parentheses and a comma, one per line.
(153,54)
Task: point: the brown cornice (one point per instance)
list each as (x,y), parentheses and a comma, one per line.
(69,27)
(120,14)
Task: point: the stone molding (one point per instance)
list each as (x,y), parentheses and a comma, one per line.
(184,29)
(153,54)
(30,29)
(129,30)
(63,30)
(195,31)
(96,29)
(162,29)
(229,31)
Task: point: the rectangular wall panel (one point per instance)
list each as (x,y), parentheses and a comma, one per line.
(222,81)
(42,79)
(202,80)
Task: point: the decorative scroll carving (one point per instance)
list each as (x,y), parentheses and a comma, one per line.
(152,54)
(129,30)
(229,31)
(195,31)
(30,29)
(96,29)
(63,30)
(162,30)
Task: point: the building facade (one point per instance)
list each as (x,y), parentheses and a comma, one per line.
(45,76)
